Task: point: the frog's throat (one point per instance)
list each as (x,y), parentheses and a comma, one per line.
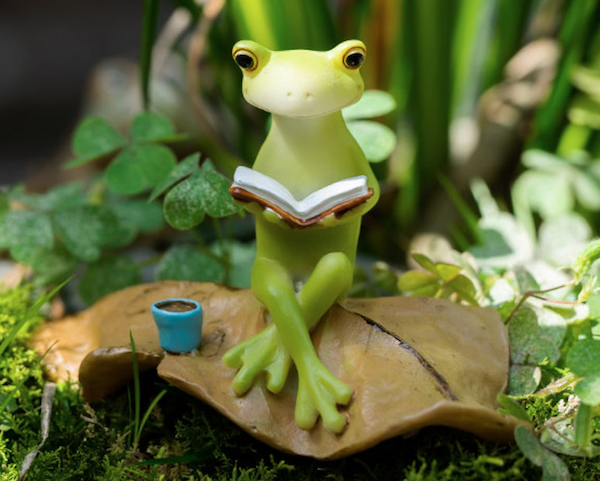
(310,127)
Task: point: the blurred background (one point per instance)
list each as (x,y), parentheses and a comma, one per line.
(48,52)
(503,91)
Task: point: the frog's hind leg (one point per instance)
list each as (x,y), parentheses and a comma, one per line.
(319,391)
(266,352)
(329,283)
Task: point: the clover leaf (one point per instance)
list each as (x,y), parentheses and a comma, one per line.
(139,215)
(535,335)
(205,191)
(60,197)
(183,169)
(583,360)
(552,466)
(25,228)
(94,138)
(138,167)
(107,275)
(151,127)
(51,265)
(86,230)
(183,262)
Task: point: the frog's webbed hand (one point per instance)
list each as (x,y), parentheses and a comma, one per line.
(358,211)
(263,353)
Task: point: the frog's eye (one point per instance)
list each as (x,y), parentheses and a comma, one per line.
(245,59)
(354,57)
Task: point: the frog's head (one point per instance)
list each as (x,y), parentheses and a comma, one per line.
(301,83)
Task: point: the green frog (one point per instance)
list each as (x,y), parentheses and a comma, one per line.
(301,271)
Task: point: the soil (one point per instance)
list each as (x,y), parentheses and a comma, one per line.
(176,306)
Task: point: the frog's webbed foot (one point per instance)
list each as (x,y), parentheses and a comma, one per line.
(261,353)
(319,393)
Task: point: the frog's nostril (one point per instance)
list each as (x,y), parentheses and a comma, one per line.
(289,94)
(308,95)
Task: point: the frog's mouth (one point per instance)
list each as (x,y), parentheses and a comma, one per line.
(303,104)
(305,96)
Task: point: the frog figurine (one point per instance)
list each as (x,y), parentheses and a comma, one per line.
(301,271)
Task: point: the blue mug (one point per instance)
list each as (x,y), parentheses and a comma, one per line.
(179,323)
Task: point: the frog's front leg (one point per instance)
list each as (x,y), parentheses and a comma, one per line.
(319,391)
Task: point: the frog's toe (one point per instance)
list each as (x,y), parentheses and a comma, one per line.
(306,414)
(308,411)
(243,380)
(233,357)
(340,391)
(334,421)
(320,394)
(277,372)
(263,353)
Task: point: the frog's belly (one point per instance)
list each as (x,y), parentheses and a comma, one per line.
(299,250)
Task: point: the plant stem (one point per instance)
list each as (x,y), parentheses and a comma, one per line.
(148,36)
(583,426)
(222,248)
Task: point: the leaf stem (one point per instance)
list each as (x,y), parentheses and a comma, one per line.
(202,247)
(222,248)
(536,294)
(151,260)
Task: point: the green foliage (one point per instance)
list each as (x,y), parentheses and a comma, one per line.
(439,279)
(553,467)
(183,262)
(552,186)
(183,169)
(108,274)
(94,138)
(4,203)
(511,407)
(138,167)
(151,127)
(584,361)
(376,140)
(204,192)
(550,326)
(88,229)
(73,225)
(141,163)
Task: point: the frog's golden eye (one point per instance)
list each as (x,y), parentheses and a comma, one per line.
(245,59)
(354,57)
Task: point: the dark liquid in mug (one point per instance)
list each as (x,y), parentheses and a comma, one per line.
(176,306)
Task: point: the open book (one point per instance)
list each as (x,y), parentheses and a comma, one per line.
(252,186)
